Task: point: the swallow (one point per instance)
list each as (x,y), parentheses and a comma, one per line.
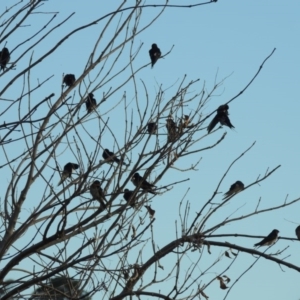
(111,157)
(222,117)
(97,192)
(67,172)
(152,128)
(298,232)
(269,240)
(234,189)
(137,180)
(155,54)
(128,196)
(69,79)
(90,102)
(4,58)
(150,211)
(172,130)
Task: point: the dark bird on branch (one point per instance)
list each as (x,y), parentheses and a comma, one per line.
(234,189)
(67,172)
(222,117)
(90,102)
(137,180)
(97,192)
(128,196)
(4,58)
(298,232)
(111,157)
(269,240)
(69,79)
(152,128)
(154,53)
(172,130)
(150,211)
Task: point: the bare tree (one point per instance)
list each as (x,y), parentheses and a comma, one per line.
(83,169)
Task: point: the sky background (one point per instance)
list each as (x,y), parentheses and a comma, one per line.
(224,39)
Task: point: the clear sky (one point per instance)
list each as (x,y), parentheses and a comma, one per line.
(224,39)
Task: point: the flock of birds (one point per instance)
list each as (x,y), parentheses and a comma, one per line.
(173,131)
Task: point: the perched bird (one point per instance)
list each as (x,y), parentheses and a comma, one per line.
(184,123)
(97,192)
(154,53)
(111,157)
(150,211)
(298,232)
(222,117)
(128,196)
(67,172)
(69,79)
(137,180)
(152,128)
(269,240)
(234,189)
(172,130)
(4,58)
(90,102)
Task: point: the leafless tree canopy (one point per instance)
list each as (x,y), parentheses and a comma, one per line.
(76,131)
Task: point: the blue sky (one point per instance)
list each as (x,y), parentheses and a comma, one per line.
(211,42)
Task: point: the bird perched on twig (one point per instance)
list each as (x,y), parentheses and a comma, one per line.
(138,180)
(222,117)
(152,128)
(298,232)
(235,188)
(69,79)
(4,58)
(90,102)
(128,196)
(67,172)
(155,54)
(269,240)
(97,192)
(172,130)
(111,157)
(150,211)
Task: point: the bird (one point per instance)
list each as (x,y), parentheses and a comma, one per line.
(4,58)
(155,54)
(222,117)
(128,196)
(97,192)
(137,180)
(172,130)
(111,157)
(298,232)
(269,240)
(150,211)
(152,128)
(234,189)
(69,79)
(184,123)
(67,172)
(90,102)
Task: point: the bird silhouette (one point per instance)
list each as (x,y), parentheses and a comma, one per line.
(138,180)
(269,240)
(90,102)
(234,189)
(152,128)
(4,58)
(97,192)
(111,157)
(128,196)
(172,130)
(67,172)
(221,117)
(298,232)
(155,54)
(150,211)
(69,79)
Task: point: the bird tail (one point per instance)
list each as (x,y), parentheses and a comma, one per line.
(63,178)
